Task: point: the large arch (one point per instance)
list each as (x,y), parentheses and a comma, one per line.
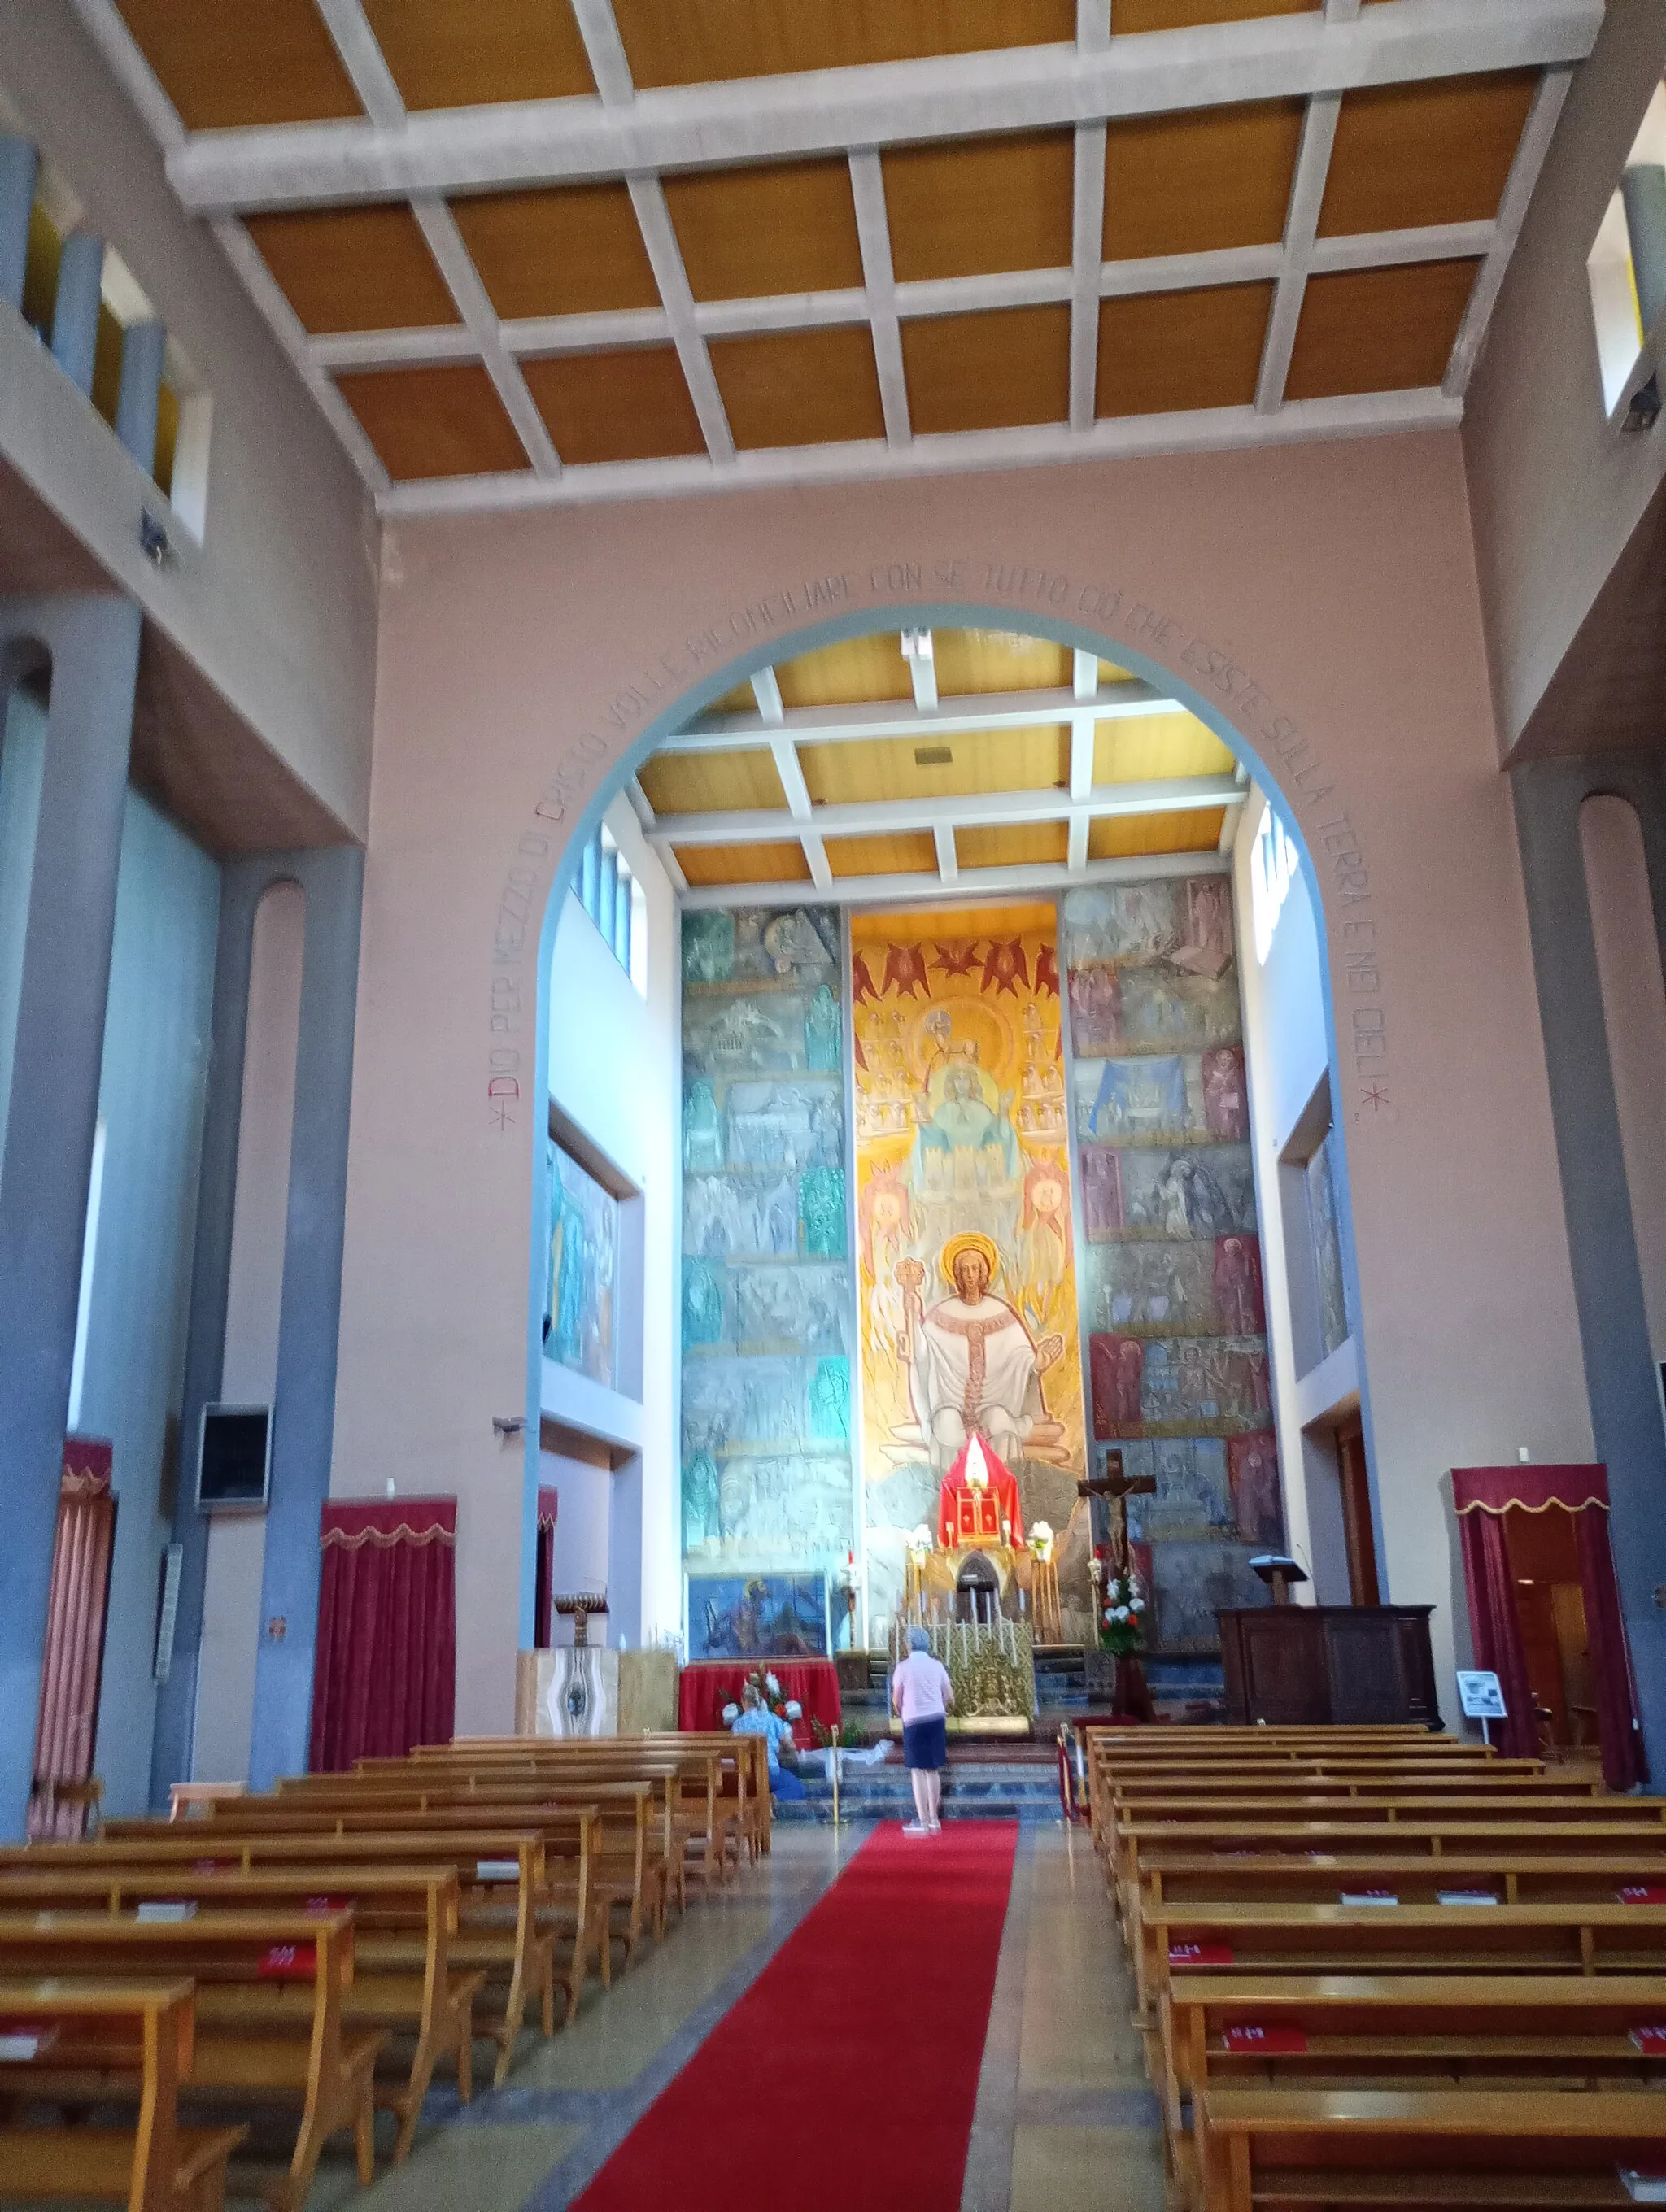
(1323,589)
(1254,738)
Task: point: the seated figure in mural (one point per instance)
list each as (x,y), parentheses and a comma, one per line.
(973,1365)
(964,1139)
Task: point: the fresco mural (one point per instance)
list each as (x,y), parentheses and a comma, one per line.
(757,1616)
(584,1259)
(768,1303)
(1172,1295)
(965,1261)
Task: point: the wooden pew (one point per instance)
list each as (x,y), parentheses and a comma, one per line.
(1428,2147)
(268,2013)
(1525,2031)
(516,1957)
(405,1901)
(507,1929)
(138,2037)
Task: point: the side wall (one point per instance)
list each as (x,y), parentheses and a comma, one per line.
(1556,493)
(278,605)
(1321,602)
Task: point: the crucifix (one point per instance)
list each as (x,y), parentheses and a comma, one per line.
(1116,1488)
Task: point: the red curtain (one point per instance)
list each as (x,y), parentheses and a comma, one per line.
(385,1676)
(1482,1496)
(1624,1766)
(705,1688)
(1491,1589)
(548,1505)
(67,1724)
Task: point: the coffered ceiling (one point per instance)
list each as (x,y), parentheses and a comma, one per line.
(942,762)
(525,251)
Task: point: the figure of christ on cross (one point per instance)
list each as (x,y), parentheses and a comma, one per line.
(973,1365)
(1116,1488)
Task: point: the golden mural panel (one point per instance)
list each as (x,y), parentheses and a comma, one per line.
(967,1265)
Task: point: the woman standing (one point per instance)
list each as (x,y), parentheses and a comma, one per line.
(922,1693)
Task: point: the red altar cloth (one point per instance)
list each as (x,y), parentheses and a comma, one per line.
(969,1513)
(706,1688)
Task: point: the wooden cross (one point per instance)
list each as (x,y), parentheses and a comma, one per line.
(1116,1488)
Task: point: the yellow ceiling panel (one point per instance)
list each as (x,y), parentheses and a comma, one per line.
(989,761)
(784,226)
(354,269)
(983,660)
(1411,154)
(843,675)
(572,250)
(1139,748)
(964,207)
(701,41)
(743,699)
(1165,353)
(444,422)
(1181,14)
(1378,329)
(224,68)
(800,388)
(987,370)
(913,853)
(444,55)
(711,783)
(1110,673)
(782,863)
(630,404)
(1189,184)
(1125,836)
(1012,844)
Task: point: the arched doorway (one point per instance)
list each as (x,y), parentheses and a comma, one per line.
(752,758)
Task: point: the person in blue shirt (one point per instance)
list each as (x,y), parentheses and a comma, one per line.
(754,1718)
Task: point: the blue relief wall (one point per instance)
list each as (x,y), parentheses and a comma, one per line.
(768,1301)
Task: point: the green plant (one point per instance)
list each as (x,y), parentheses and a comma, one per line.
(847,1736)
(1122,1615)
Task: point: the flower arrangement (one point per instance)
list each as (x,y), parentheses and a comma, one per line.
(1041,1539)
(1122,1614)
(769,1695)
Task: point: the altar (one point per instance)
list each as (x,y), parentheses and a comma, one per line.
(992,1670)
(937,1583)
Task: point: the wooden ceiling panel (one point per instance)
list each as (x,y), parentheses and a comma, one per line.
(985,660)
(746,234)
(1012,845)
(1125,836)
(780,863)
(843,675)
(631,404)
(964,207)
(800,388)
(574,250)
(445,421)
(912,768)
(228,68)
(912,853)
(444,55)
(1180,14)
(706,41)
(983,371)
(1136,749)
(1189,184)
(354,269)
(1409,154)
(711,783)
(1161,352)
(1378,329)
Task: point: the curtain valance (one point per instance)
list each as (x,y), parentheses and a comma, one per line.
(348,1524)
(1533,1489)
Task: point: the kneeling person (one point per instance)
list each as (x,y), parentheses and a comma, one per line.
(754,1718)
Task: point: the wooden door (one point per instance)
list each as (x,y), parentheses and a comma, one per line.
(1363,1586)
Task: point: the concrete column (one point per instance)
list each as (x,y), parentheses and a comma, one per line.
(304,1416)
(93,645)
(1608,1283)
(76,310)
(303,1419)
(142,346)
(17,174)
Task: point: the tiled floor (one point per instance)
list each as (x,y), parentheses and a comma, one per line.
(1065,2118)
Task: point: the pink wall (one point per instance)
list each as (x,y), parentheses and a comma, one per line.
(1322,598)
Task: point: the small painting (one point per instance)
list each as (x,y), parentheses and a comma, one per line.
(1102,1192)
(758,1617)
(584,1259)
(1240,1302)
(1191,1497)
(1095,1009)
(1138,1102)
(1208,1191)
(1194,1583)
(1252,1478)
(1226,1094)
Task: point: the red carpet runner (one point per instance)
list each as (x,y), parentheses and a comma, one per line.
(846,2074)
